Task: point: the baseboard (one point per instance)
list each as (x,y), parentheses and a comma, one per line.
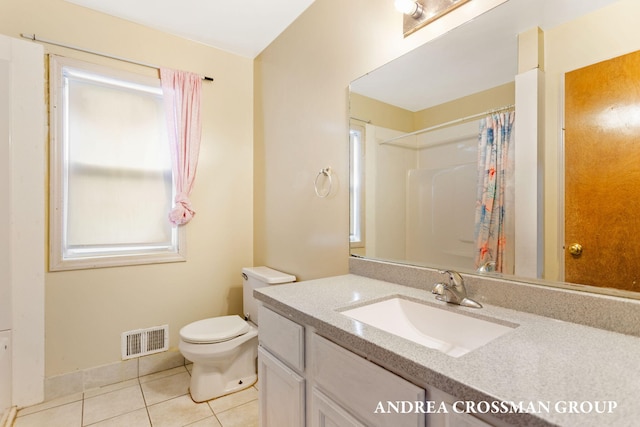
(8,417)
(100,376)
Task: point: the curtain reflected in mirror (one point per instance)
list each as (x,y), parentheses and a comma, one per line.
(434,196)
(494,222)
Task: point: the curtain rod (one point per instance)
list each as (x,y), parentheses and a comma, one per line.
(452,122)
(106,55)
(360,120)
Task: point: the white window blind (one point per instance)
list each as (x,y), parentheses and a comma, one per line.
(111,172)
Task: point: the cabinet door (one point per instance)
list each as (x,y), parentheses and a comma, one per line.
(326,413)
(281,393)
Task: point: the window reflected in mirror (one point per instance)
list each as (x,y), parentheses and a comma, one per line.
(356,193)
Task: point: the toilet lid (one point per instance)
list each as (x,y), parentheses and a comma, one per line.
(215,329)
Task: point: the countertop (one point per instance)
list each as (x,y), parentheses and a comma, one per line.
(541,362)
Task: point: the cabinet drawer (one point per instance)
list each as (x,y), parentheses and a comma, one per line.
(361,386)
(282,337)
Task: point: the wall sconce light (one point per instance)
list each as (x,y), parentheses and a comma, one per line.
(410,7)
(419,13)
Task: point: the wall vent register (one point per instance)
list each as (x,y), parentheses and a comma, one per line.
(142,342)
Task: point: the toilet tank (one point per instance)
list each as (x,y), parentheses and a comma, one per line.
(257,277)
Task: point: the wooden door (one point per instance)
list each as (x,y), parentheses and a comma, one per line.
(602,173)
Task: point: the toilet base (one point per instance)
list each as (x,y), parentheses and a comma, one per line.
(222,368)
(203,394)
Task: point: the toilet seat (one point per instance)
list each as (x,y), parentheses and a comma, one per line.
(214,330)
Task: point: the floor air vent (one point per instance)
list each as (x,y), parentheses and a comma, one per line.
(145,341)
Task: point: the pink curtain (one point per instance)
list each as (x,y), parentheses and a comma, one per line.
(181,93)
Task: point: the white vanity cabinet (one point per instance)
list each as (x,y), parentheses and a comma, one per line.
(308,380)
(342,389)
(280,371)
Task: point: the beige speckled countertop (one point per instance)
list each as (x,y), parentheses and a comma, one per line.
(542,360)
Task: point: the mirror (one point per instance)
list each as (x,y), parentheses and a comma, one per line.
(430,99)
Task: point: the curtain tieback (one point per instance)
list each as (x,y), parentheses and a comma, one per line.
(182,212)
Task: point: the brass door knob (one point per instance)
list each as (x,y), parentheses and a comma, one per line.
(575,249)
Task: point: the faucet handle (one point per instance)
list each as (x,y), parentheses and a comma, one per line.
(454,292)
(455,278)
(438,289)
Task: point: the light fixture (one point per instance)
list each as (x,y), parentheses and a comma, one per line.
(420,13)
(410,7)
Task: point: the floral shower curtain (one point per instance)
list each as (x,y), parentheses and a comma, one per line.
(494,204)
(182,92)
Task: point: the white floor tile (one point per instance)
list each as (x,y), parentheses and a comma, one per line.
(109,388)
(112,404)
(178,412)
(241,416)
(68,415)
(158,400)
(212,421)
(225,403)
(166,388)
(139,418)
(76,397)
(162,374)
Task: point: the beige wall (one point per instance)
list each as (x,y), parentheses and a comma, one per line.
(379,113)
(301,125)
(389,116)
(469,105)
(297,91)
(604,34)
(85,311)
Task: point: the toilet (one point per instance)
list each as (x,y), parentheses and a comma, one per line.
(224,349)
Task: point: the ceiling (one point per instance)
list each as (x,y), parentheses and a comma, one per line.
(244,27)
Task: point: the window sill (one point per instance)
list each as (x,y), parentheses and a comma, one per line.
(61,264)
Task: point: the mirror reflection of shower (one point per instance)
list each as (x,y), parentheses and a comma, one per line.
(433,219)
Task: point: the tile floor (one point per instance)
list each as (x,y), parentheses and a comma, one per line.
(157,400)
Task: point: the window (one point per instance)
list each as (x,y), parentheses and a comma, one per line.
(111,181)
(356,193)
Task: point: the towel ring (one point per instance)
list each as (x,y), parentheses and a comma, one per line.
(326,172)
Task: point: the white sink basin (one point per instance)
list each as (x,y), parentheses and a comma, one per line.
(454,334)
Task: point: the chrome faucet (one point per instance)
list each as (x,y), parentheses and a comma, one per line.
(487,267)
(453,292)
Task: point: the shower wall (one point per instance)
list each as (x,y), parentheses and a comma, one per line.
(441,196)
(420,194)
(386,169)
